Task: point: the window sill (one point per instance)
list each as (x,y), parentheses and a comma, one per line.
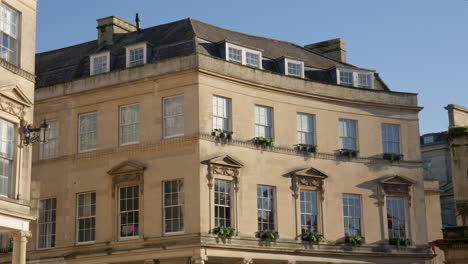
(129,143)
(173,136)
(85,243)
(86,150)
(129,238)
(174,233)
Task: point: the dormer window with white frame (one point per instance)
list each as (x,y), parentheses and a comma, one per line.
(136,54)
(356,78)
(243,55)
(294,67)
(99,63)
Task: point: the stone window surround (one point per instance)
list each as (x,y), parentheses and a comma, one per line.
(290,60)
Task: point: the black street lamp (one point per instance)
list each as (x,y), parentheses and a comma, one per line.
(33,134)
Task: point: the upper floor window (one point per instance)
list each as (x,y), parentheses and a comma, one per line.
(243,55)
(87,132)
(263,121)
(352,214)
(136,54)
(221,112)
(222,201)
(347,134)
(295,69)
(396,219)
(305,129)
(100,63)
(357,78)
(129,206)
(173,212)
(9,19)
(129,124)
(50,149)
(46,223)
(173,116)
(265,207)
(391,138)
(309,211)
(7,155)
(86,217)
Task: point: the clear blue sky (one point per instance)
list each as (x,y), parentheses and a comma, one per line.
(416,46)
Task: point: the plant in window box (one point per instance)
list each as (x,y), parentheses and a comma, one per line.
(224,232)
(307,148)
(399,242)
(393,157)
(223,135)
(312,237)
(264,142)
(267,235)
(350,153)
(354,240)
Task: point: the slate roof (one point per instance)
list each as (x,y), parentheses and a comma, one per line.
(179,38)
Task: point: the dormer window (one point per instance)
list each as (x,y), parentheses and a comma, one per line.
(136,54)
(294,67)
(100,63)
(243,55)
(356,78)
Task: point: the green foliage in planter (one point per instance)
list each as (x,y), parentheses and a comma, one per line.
(223,135)
(354,240)
(264,142)
(392,157)
(399,242)
(454,132)
(350,153)
(267,235)
(307,148)
(224,231)
(312,237)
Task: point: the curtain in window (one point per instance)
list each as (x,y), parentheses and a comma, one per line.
(129,124)
(7,144)
(391,138)
(173,116)
(263,121)
(88,131)
(348,134)
(305,129)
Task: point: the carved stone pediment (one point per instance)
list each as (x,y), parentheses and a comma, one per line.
(127,171)
(396,186)
(223,165)
(13,100)
(308,177)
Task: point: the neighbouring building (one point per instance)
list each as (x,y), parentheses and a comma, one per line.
(455,237)
(17,55)
(161,138)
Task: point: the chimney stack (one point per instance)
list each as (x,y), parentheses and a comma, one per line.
(108,26)
(333,49)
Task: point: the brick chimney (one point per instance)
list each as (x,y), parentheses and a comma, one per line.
(109,26)
(333,49)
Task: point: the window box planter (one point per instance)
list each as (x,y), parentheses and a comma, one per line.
(307,148)
(392,157)
(354,240)
(264,142)
(399,242)
(312,237)
(267,235)
(350,153)
(224,232)
(224,136)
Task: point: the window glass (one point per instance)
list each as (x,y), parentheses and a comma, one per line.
(221,112)
(8,33)
(50,148)
(396,217)
(391,138)
(265,205)
(129,218)
(136,56)
(309,211)
(235,54)
(173,116)
(222,201)
(305,129)
(100,64)
(352,214)
(263,123)
(346,78)
(87,131)
(86,217)
(347,133)
(173,206)
(46,223)
(7,154)
(295,69)
(364,80)
(129,124)
(252,59)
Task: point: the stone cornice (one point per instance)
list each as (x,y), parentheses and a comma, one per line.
(17,70)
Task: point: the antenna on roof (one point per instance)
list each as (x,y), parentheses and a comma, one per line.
(137,21)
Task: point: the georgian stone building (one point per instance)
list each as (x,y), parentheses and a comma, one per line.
(161,137)
(17,53)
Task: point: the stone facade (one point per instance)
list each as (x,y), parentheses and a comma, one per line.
(16,110)
(193,164)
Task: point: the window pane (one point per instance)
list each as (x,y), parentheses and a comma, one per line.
(136,56)
(128,213)
(309,211)
(295,69)
(390,138)
(265,208)
(222,193)
(305,129)
(253,59)
(173,206)
(100,64)
(173,116)
(129,124)
(221,112)
(87,131)
(7,152)
(263,121)
(396,220)
(352,214)
(347,131)
(235,54)
(46,223)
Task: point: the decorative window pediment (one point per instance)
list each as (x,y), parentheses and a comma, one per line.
(308,177)
(396,186)
(13,100)
(223,165)
(127,171)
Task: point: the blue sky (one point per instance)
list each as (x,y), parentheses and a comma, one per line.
(416,46)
